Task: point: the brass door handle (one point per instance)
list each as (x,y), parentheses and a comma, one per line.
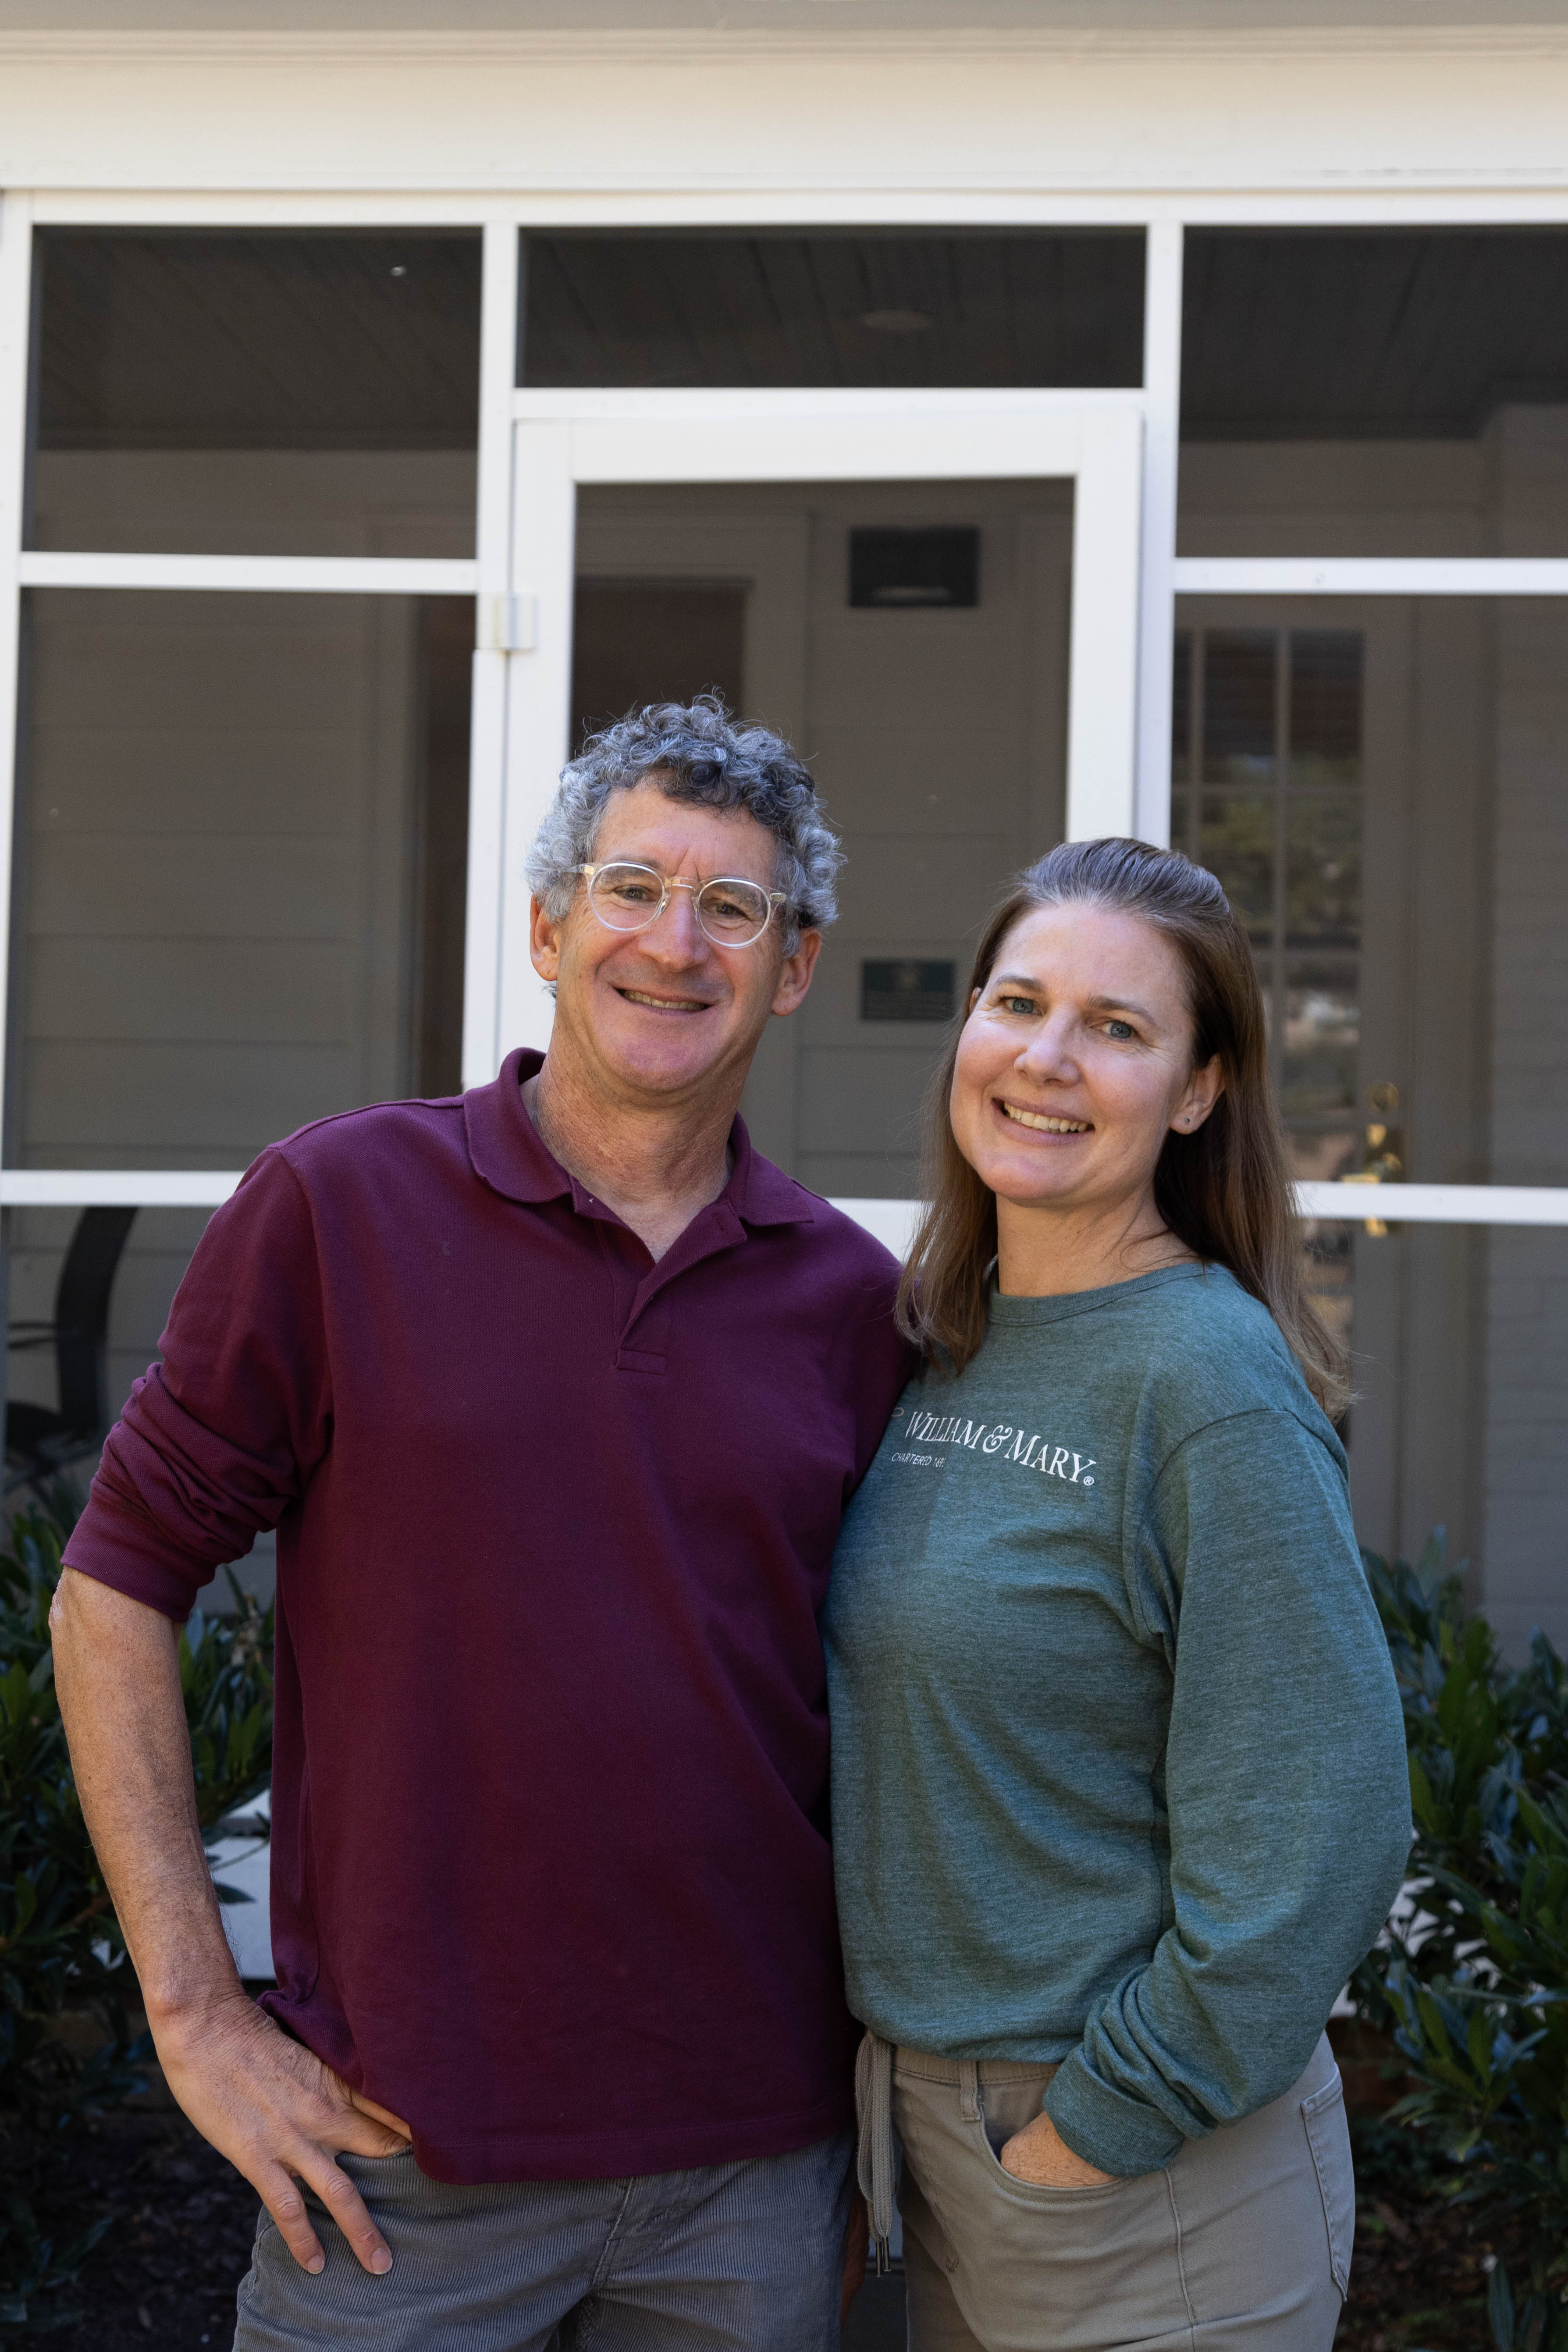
(1385,1145)
(1385,1161)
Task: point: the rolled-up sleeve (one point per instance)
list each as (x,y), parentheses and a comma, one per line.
(1286,1788)
(220,1437)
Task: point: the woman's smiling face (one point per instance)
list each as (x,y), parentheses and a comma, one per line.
(1076,1061)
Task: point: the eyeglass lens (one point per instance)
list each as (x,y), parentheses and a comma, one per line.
(732,912)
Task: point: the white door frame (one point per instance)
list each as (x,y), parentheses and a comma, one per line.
(563,439)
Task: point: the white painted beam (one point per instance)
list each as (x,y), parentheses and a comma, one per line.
(1437,1204)
(893,1222)
(1156,618)
(482,1048)
(90,1188)
(294,575)
(1102,638)
(16,312)
(1370,576)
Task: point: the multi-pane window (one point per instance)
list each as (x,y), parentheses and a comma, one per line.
(242,788)
(1267,793)
(1267,775)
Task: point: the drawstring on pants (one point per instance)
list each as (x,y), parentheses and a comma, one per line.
(874,2108)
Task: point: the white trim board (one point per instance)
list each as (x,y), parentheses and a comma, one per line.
(16,314)
(821,205)
(1345,111)
(1156,614)
(892,1221)
(308,575)
(1370,576)
(116,1188)
(1061,411)
(1436,1204)
(612,40)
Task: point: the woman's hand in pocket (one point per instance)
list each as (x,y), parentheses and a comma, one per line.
(1039,2155)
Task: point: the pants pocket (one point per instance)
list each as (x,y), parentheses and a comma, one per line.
(1328,2136)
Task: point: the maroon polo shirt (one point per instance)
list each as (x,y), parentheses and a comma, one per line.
(550,1861)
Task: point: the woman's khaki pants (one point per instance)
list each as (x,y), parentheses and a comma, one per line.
(1244,2243)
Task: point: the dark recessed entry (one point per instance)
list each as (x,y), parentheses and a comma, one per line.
(634,642)
(880,308)
(258,339)
(908,989)
(940,565)
(1373,334)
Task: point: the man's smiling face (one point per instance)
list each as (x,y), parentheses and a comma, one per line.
(662,1012)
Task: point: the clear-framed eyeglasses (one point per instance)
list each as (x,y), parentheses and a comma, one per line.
(734,912)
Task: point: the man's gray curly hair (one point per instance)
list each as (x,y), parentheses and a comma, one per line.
(698,754)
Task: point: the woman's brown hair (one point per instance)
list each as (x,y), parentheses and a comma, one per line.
(1224,1192)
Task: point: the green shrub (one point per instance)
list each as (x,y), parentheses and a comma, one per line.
(1474,1982)
(61,1945)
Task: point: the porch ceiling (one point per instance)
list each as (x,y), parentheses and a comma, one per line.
(324,339)
(274,339)
(1369,334)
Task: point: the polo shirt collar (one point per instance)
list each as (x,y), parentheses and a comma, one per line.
(509,1154)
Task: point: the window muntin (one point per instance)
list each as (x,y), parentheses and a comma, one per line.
(1269,720)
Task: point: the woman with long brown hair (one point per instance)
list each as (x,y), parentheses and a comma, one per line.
(1119,1784)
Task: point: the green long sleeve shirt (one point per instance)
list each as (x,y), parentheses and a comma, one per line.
(1119,1773)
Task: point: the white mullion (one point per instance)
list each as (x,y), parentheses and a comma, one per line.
(1435,1204)
(675,209)
(1277,814)
(1103,636)
(1370,576)
(295,575)
(16,323)
(539,715)
(487,754)
(1385,208)
(1157,597)
(829,403)
(283,208)
(141,1187)
(800,207)
(500,294)
(1543,1206)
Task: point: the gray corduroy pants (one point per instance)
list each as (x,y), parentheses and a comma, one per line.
(726,2258)
(1242,2244)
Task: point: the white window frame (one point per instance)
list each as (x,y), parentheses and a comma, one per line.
(505,788)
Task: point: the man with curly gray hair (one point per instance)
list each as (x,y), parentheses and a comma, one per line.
(702,757)
(555,1393)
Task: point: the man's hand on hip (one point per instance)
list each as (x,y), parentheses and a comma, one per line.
(270,2107)
(281,2117)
